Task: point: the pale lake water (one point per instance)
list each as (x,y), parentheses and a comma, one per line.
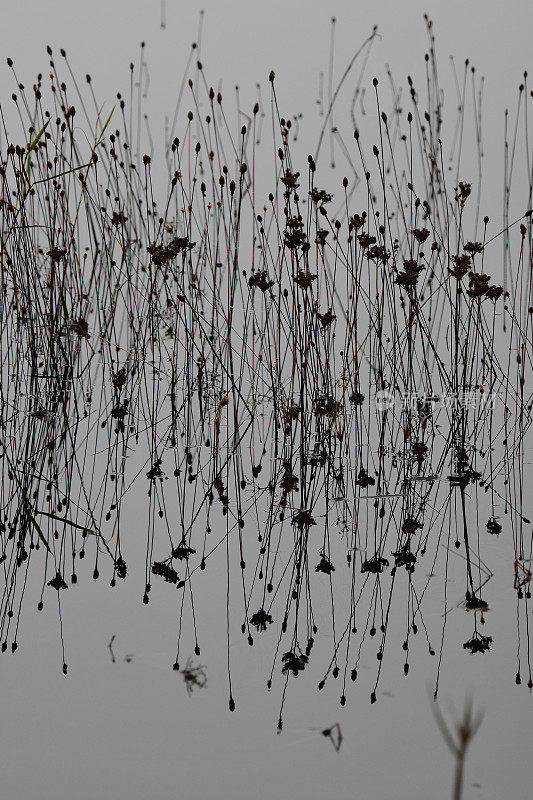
(121,725)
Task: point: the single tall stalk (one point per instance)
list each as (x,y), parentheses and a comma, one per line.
(465,730)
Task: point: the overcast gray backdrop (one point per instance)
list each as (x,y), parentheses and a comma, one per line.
(128,730)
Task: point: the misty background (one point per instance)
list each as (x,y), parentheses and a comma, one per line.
(128,729)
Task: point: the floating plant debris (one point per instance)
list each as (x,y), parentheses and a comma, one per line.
(194,676)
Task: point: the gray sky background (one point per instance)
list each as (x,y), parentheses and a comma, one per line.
(128,730)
